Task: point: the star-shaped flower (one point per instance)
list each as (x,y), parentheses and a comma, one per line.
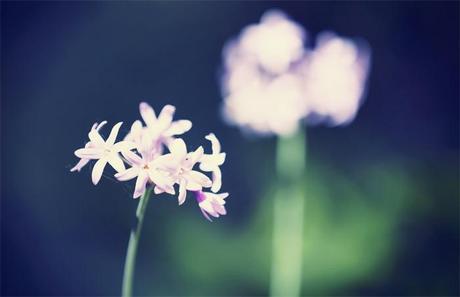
(105,151)
(158,130)
(145,171)
(211,204)
(89,144)
(180,164)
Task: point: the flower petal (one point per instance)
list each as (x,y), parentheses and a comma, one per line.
(161,180)
(123,146)
(79,165)
(193,157)
(165,117)
(196,180)
(182,192)
(132,158)
(216,180)
(141,183)
(116,162)
(128,174)
(100,125)
(98,169)
(158,190)
(96,138)
(147,114)
(113,134)
(220,209)
(178,148)
(205,215)
(178,128)
(89,153)
(214,143)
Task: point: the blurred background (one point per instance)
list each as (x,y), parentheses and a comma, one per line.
(382,203)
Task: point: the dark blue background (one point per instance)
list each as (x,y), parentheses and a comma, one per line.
(66,65)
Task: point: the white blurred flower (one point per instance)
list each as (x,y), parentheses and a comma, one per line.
(274,43)
(211,162)
(335,77)
(105,151)
(211,204)
(272,106)
(271,82)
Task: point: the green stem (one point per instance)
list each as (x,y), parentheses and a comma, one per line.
(288,212)
(130,262)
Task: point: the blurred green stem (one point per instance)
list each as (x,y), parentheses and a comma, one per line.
(288,211)
(130,261)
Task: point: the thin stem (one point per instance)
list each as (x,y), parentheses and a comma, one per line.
(288,212)
(131,252)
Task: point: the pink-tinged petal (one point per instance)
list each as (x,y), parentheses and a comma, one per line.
(205,215)
(178,128)
(132,158)
(162,180)
(158,190)
(207,206)
(141,183)
(147,114)
(182,192)
(196,180)
(113,134)
(165,117)
(89,153)
(116,162)
(215,144)
(123,146)
(223,196)
(178,148)
(127,174)
(218,208)
(79,165)
(96,138)
(98,169)
(216,180)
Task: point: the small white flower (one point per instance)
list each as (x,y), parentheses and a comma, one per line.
(158,130)
(145,171)
(180,164)
(89,144)
(211,204)
(105,151)
(211,162)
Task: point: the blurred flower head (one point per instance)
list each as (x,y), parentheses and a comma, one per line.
(271,81)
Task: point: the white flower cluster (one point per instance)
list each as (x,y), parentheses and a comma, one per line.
(143,151)
(271,81)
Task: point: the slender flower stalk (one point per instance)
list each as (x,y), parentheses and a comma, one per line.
(288,212)
(131,252)
(143,151)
